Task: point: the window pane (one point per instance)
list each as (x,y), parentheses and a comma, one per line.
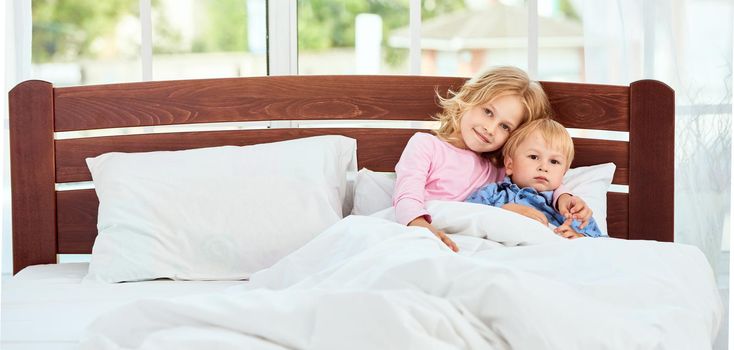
(351,37)
(86,41)
(560,41)
(462,38)
(208,38)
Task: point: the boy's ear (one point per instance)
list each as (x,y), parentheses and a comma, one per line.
(508,166)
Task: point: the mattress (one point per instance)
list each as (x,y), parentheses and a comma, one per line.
(48,306)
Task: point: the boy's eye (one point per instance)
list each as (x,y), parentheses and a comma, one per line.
(533,157)
(555,162)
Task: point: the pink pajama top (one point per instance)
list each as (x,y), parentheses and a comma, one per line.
(432,169)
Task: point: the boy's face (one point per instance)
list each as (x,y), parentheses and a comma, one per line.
(535,165)
(486,127)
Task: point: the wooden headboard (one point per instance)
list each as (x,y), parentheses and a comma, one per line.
(47,222)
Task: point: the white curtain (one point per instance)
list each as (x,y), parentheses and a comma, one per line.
(17,38)
(688,45)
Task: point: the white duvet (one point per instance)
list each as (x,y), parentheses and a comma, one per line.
(369,283)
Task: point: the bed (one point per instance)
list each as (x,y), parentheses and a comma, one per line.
(54,129)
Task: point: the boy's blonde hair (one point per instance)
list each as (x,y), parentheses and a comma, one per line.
(503,80)
(555,135)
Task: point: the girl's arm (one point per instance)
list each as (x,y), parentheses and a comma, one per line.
(574,207)
(412,176)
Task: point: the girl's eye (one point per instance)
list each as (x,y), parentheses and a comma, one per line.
(533,157)
(505,127)
(488,111)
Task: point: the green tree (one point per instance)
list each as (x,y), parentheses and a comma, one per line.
(224,28)
(323,24)
(66,29)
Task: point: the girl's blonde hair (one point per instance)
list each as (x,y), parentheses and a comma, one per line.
(498,81)
(555,135)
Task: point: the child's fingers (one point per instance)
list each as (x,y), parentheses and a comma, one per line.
(447,241)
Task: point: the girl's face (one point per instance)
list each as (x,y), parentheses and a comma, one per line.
(486,127)
(534,164)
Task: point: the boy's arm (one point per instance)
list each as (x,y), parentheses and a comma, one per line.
(490,194)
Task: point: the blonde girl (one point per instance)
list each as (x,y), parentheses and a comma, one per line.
(466,151)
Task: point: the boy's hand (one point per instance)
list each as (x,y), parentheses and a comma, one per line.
(422,222)
(575,208)
(532,213)
(566,231)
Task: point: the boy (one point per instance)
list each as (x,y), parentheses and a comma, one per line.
(536,157)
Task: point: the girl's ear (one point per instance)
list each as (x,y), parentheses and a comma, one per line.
(508,166)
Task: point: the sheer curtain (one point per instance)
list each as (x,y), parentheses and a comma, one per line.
(688,45)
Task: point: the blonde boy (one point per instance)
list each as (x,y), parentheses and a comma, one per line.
(536,157)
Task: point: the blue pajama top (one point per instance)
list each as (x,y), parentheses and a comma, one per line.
(500,193)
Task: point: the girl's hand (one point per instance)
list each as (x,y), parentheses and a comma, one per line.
(532,213)
(575,208)
(566,231)
(422,222)
(446,240)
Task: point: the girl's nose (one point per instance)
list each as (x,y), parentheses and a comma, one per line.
(490,129)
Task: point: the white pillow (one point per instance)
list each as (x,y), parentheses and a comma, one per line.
(217,213)
(591,183)
(373,190)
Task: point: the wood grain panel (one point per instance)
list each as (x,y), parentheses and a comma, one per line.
(589,106)
(378,149)
(32,174)
(249,99)
(78,219)
(617,214)
(652,139)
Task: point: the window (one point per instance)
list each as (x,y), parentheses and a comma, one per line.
(351,37)
(208,39)
(76,42)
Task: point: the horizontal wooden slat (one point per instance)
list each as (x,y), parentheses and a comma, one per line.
(77,219)
(591,152)
(589,106)
(604,107)
(249,99)
(378,149)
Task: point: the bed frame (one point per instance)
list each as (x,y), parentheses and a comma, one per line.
(47,222)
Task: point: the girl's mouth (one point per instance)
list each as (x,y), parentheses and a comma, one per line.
(481,137)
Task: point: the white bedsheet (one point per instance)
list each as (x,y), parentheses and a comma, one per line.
(47,306)
(368,283)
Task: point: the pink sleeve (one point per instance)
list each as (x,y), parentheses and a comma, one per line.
(412,176)
(557,193)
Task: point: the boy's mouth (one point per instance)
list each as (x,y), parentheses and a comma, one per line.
(541,178)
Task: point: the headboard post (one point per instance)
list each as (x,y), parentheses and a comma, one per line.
(32,174)
(652,157)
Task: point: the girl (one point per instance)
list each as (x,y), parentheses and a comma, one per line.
(466,151)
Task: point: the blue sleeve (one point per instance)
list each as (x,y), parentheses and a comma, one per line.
(486,194)
(591,230)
